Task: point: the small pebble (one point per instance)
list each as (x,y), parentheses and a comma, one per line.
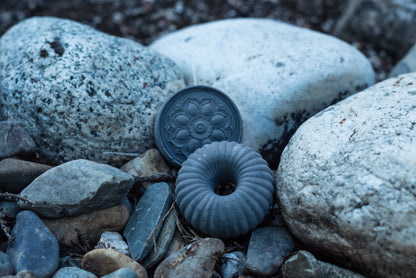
(124,272)
(144,226)
(232,264)
(105,261)
(187,262)
(34,247)
(113,241)
(73,272)
(14,140)
(23,274)
(267,249)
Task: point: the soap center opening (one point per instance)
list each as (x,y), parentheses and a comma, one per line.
(225,188)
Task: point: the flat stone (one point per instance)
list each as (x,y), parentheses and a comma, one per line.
(14,140)
(149,163)
(6,267)
(194,260)
(267,249)
(232,264)
(406,64)
(122,273)
(81,93)
(105,261)
(346,180)
(277,74)
(145,224)
(113,241)
(77,187)
(34,247)
(162,243)
(73,272)
(90,225)
(304,264)
(16,174)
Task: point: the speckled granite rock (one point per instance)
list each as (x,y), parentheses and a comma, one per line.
(346,182)
(14,140)
(16,174)
(76,187)
(81,93)
(277,74)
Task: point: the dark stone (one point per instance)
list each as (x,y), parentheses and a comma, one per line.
(34,247)
(5,265)
(14,140)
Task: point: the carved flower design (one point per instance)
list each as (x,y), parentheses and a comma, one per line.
(196,123)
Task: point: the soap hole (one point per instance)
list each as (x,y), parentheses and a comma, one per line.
(225,188)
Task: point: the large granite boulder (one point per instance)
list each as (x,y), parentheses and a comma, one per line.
(81,93)
(347,179)
(277,74)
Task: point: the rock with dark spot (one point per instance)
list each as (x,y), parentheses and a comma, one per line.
(267,249)
(16,174)
(346,183)
(194,260)
(278,75)
(34,247)
(75,90)
(76,187)
(14,140)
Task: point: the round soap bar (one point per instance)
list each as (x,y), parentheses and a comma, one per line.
(193,117)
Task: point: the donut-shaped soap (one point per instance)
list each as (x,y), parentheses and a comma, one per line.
(218,163)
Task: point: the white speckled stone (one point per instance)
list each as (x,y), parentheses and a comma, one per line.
(346,182)
(277,74)
(81,93)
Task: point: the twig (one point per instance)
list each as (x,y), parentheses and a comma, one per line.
(4,227)
(157,178)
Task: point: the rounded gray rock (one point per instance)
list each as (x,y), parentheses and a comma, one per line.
(73,272)
(278,75)
(346,183)
(81,93)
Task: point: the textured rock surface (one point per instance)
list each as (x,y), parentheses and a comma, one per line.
(278,75)
(73,272)
(149,163)
(194,260)
(22,274)
(176,244)
(124,272)
(405,65)
(34,247)
(232,264)
(144,224)
(81,93)
(16,174)
(77,187)
(389,24)
(113,241)
(162,243)
(6,267)
(13,139)
(90,225)
(303,264)
(346,182)
(105,261)
(267,249)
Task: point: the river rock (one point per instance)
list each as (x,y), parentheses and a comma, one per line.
(81,93)
(176,244)
(162,243)
(387,24)
(406,64)
(14,140)
(77,187)
(277,74)
(16,174)
(34,247)
(105,261)
(303,264)
(73,272)
(124,272)
(90,225)
(149,163)
(145,222)
(113,241)
(232,264)
(22,274)
(346,182)
(6,267)
(267,249)
(194,260)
